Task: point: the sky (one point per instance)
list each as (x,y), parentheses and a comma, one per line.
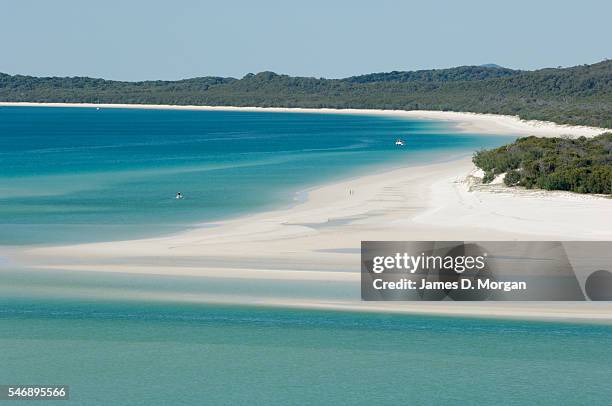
(162,39)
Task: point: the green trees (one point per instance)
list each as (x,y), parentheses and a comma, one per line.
(512,178)
(582,165)
(578,95)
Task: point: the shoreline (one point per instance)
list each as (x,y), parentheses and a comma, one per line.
(479,123)
(316,241)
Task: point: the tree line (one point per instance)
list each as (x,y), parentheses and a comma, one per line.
(582,165)
(578,95)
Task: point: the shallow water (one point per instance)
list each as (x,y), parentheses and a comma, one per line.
(81,174)
(148,354)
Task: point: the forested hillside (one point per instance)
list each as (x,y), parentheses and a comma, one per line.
(576,95)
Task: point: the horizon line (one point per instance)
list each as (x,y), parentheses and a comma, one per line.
(486,65)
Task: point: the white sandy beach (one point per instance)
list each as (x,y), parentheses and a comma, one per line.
(318,240)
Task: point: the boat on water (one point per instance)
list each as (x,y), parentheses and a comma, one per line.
(399,142)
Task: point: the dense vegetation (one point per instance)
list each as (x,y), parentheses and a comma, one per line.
(577,95)
(582,165)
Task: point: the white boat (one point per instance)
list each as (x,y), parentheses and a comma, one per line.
(400,143)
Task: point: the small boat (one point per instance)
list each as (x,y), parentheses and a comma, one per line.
(400,142)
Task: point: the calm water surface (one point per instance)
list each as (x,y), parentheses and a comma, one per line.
(147,354)
(81,174)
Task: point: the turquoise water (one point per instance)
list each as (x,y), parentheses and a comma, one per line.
(80,174)
(96,333)
(148,354)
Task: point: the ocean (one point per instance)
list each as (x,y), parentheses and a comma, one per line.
(142,353)
(75,175)
(80,174)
